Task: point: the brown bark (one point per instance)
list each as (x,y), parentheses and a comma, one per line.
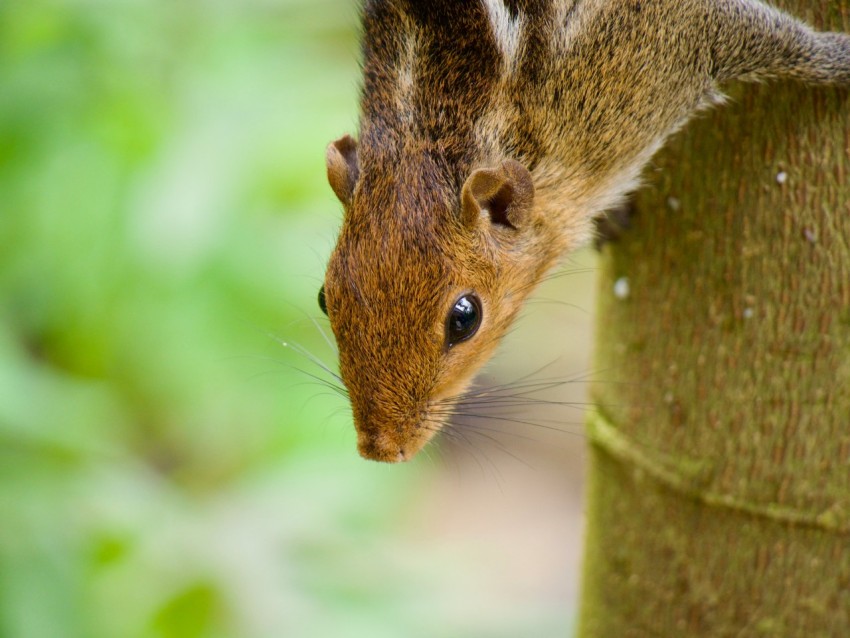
(719,487)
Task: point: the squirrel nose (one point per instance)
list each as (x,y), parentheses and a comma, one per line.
(380,448)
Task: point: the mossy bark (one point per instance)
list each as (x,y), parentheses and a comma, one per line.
(719,487)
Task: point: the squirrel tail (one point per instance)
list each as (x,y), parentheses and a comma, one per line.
(753,42)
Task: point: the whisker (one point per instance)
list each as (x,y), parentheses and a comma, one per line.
(502,448)
(338,411)
(566,272)
(527,403)
(558,274)
(329,384)
(472,451)
(506,419)
(557,302)
(459,437)
(523,392)
(303,405)
(315,323)
(298,348)
(331,344)
(517,390)
(340,389)
(518,435)
(491,434)
(520,379)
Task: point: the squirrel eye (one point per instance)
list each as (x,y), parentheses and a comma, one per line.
(463,320)
(322,303)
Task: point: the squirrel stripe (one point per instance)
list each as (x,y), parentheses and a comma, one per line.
(507,29)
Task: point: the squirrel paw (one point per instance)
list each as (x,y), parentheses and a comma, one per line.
(611,225)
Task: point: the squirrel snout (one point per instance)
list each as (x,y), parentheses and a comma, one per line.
(380,447)
(392,441)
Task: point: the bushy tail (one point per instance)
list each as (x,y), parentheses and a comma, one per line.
(830,59)
(753,41)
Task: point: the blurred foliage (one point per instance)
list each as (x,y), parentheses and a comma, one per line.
(165,468)
(161,187)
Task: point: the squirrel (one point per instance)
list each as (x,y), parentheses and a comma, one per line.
(491,134)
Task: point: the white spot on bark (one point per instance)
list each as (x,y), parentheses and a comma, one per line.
(621,288)
(673,203)
(781,177)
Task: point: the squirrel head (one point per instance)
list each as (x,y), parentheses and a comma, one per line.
(425,278)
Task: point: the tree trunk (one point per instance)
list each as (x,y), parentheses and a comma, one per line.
(719,482)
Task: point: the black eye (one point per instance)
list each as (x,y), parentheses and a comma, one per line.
(322,304)
(463,320)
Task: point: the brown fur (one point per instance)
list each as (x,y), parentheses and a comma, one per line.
(485,153)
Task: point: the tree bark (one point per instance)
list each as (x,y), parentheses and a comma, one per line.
(719,482)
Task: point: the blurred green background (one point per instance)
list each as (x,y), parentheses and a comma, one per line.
(166,468)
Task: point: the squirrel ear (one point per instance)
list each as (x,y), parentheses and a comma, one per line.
(505,193)
(343,170)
